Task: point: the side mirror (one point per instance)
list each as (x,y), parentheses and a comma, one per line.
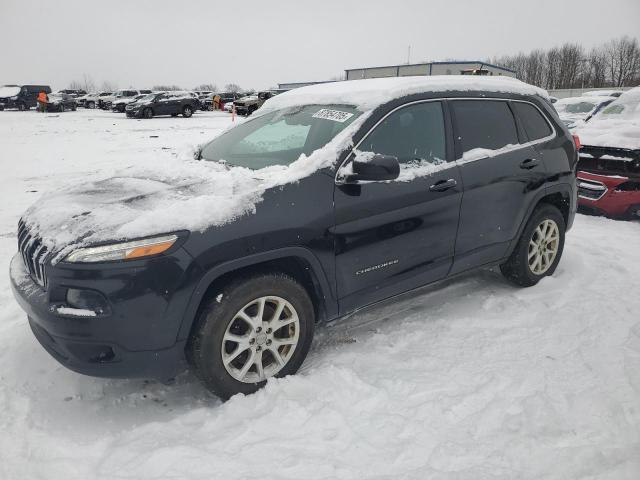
(375,167)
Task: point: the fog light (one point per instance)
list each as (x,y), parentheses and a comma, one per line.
(87,300)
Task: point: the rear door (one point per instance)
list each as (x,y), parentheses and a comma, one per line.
(502,173)
(393,236)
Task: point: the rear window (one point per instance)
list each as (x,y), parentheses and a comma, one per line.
(532,120)
(484,124)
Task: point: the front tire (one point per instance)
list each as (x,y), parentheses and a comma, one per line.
(539,248)
(91,105)
(252,329)
(147,113)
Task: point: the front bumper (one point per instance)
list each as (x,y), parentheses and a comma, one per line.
(135,337)
(134,113)
(601,194)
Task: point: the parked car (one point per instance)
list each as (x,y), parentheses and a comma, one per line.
(225,98)
(119,104)
(21,97)
(106,101)
(603,93)
(249,104)
(92,100)
(82,99)
(60,102)
(609,166)
(336,198)
(164,103)
(575,111)
(75,93)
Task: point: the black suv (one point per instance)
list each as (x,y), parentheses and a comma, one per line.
(361,204)
(165,103)
(21,97)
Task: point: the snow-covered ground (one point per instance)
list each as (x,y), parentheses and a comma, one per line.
(472,379)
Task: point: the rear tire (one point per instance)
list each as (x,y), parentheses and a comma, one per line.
(22,107)
(187,111)
(539,248)
(147,113)
(236,344)
(91,104)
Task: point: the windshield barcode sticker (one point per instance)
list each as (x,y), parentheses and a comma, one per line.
(334,115)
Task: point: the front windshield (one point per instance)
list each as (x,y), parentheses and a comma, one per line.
(627,105)
(280,137)
(148,98)
(577,107)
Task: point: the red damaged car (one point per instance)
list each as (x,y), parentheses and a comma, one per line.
(609,166)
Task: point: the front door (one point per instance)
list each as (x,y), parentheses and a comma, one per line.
(393,236)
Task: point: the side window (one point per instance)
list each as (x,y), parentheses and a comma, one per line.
(484,124)
(532,120)
(412,134)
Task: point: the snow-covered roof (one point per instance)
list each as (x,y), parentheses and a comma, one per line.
(370,93)
(600,93)
(9,91)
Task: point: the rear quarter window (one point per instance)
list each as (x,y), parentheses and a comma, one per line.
(534,123)
(484,124)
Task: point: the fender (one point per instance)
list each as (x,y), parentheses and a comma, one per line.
(330,302)
(563,188)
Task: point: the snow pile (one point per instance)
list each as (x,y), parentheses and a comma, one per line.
(164,196)
(618,125)
(370,93)
(473,379)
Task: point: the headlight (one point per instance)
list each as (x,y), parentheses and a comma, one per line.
(123,251)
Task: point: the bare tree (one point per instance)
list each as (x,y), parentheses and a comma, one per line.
(166,88)
(232,88)
(108,86)
(623,60)
(597,68)
(207,87)
(616,63)
(75,85)
(88,85)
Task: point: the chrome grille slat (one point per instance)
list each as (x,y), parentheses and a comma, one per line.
(33,253)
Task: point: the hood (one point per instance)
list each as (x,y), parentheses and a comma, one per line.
(610,132)
(142,201)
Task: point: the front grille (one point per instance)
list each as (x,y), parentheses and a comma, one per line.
(34,254)
(590,189)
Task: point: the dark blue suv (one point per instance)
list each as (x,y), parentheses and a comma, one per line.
(343,195)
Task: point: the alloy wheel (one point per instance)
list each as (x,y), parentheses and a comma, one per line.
(260,339)
(543,246)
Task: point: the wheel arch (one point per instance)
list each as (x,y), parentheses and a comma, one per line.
(559,196)
(298,262)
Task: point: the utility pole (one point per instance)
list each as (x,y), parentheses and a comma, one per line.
(408,54)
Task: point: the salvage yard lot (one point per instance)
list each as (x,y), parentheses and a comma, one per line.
(470,379)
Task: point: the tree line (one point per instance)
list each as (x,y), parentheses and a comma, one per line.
(89,85)
(615,63)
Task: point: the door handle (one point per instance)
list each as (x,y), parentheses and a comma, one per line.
(443,185)
(530,163)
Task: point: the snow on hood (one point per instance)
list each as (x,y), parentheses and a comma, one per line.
(370,93)
(9,91)
(164,196)
(617,130)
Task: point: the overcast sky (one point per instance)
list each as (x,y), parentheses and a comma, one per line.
(141,43)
